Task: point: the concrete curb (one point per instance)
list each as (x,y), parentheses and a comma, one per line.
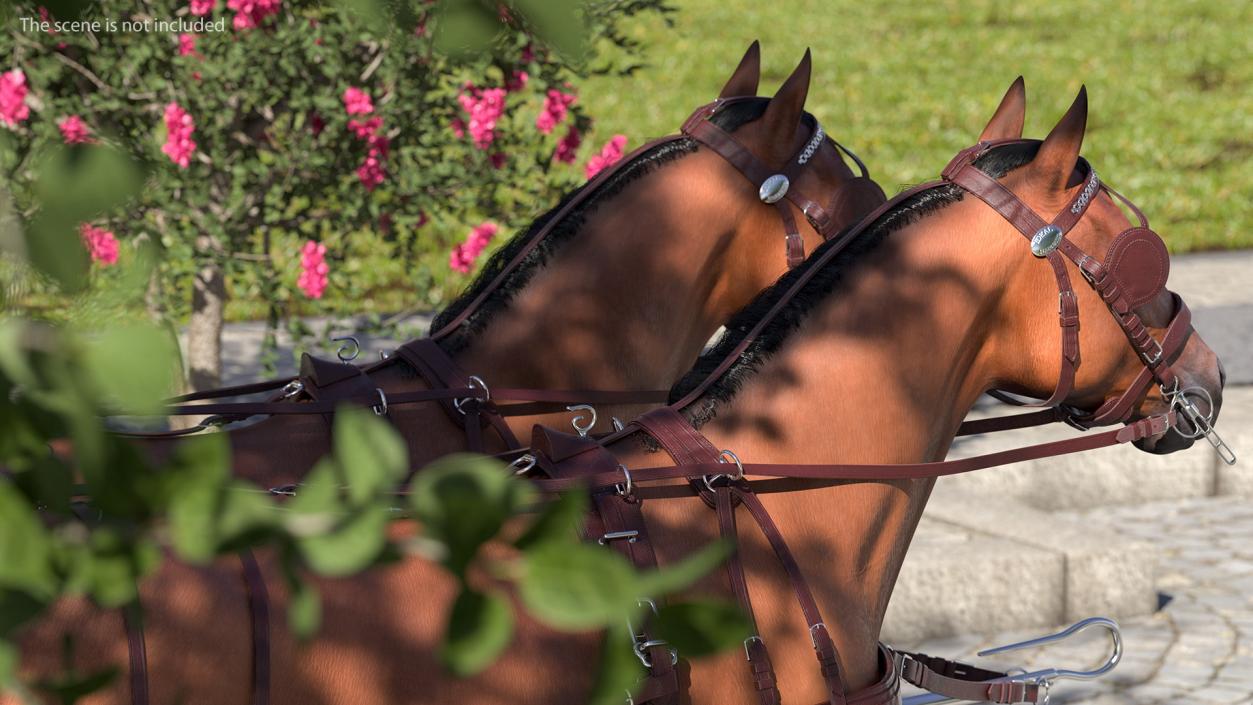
(987,564)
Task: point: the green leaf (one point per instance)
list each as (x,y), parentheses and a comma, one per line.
(701,628)
(559,23)
(8,664)
(16,608)
(198,478)
(463,501)
(134,365)
(479,628)
(560,521)
(304,609)
(371,455)
(70,688)
(24,545)
(619,671)
(350,546)
(578,586)
(464,28)
(671,579)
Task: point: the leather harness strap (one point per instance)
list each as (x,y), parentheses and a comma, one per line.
(137,651)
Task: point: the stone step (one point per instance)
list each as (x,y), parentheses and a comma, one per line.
(991,564)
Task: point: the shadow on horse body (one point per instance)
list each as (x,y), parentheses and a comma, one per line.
(622,294)
(877,360)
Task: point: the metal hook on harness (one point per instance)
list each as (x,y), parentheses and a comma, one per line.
(577,422)
(349,343)
(380,409)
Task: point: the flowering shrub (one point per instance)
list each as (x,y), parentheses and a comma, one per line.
(304,122)
(313,269)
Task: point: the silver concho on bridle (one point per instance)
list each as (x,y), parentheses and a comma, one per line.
(1045,240)
(773,188)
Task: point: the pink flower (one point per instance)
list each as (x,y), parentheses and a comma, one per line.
(609,154)
(371,172)
(179,128)
(250,13)
(186,44)
(13,108)
(528,54)
(101,244)
(313,269)
(316,123)
(484,106)
(517,82)
(464,255)
(357,101)
(365,128)
(556,105)
(202,7)
(74,130)
(568,145)
(458,127)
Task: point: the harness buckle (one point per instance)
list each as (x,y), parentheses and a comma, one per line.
(523,464)
(641,647)
(1156,357)
(749,640)
(380,409)
(293,388)
(630,537)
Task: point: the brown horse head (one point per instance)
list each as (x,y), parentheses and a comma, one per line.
(1132,257)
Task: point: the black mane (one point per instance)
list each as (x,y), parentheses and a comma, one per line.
(730,118)
(996,163)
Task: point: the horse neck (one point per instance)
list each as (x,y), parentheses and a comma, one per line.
(883,371)
(630,301)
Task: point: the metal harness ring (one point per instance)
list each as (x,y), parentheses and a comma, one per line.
(739,470)
(473,381)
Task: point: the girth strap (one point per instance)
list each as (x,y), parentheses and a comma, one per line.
(961,681)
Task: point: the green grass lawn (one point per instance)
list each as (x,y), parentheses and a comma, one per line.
(907,84)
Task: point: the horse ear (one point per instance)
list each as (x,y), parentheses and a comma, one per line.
(783,113)
(746,76)
(1006,123)
(1060,150)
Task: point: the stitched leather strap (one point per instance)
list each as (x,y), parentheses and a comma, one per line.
(137,651)
(961,681)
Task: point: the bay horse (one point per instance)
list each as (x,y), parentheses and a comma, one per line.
(873,355)
(617,288)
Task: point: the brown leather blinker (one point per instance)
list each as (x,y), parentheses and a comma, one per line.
(1138,264)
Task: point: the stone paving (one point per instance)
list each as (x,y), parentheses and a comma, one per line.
(1197,649)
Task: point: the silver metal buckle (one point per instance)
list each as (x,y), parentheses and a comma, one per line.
(1156,357)
(630,537)
(293,388)
(756,638)
(624,490)
(642,646)
(523,464)
(473,381)
(380,408)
